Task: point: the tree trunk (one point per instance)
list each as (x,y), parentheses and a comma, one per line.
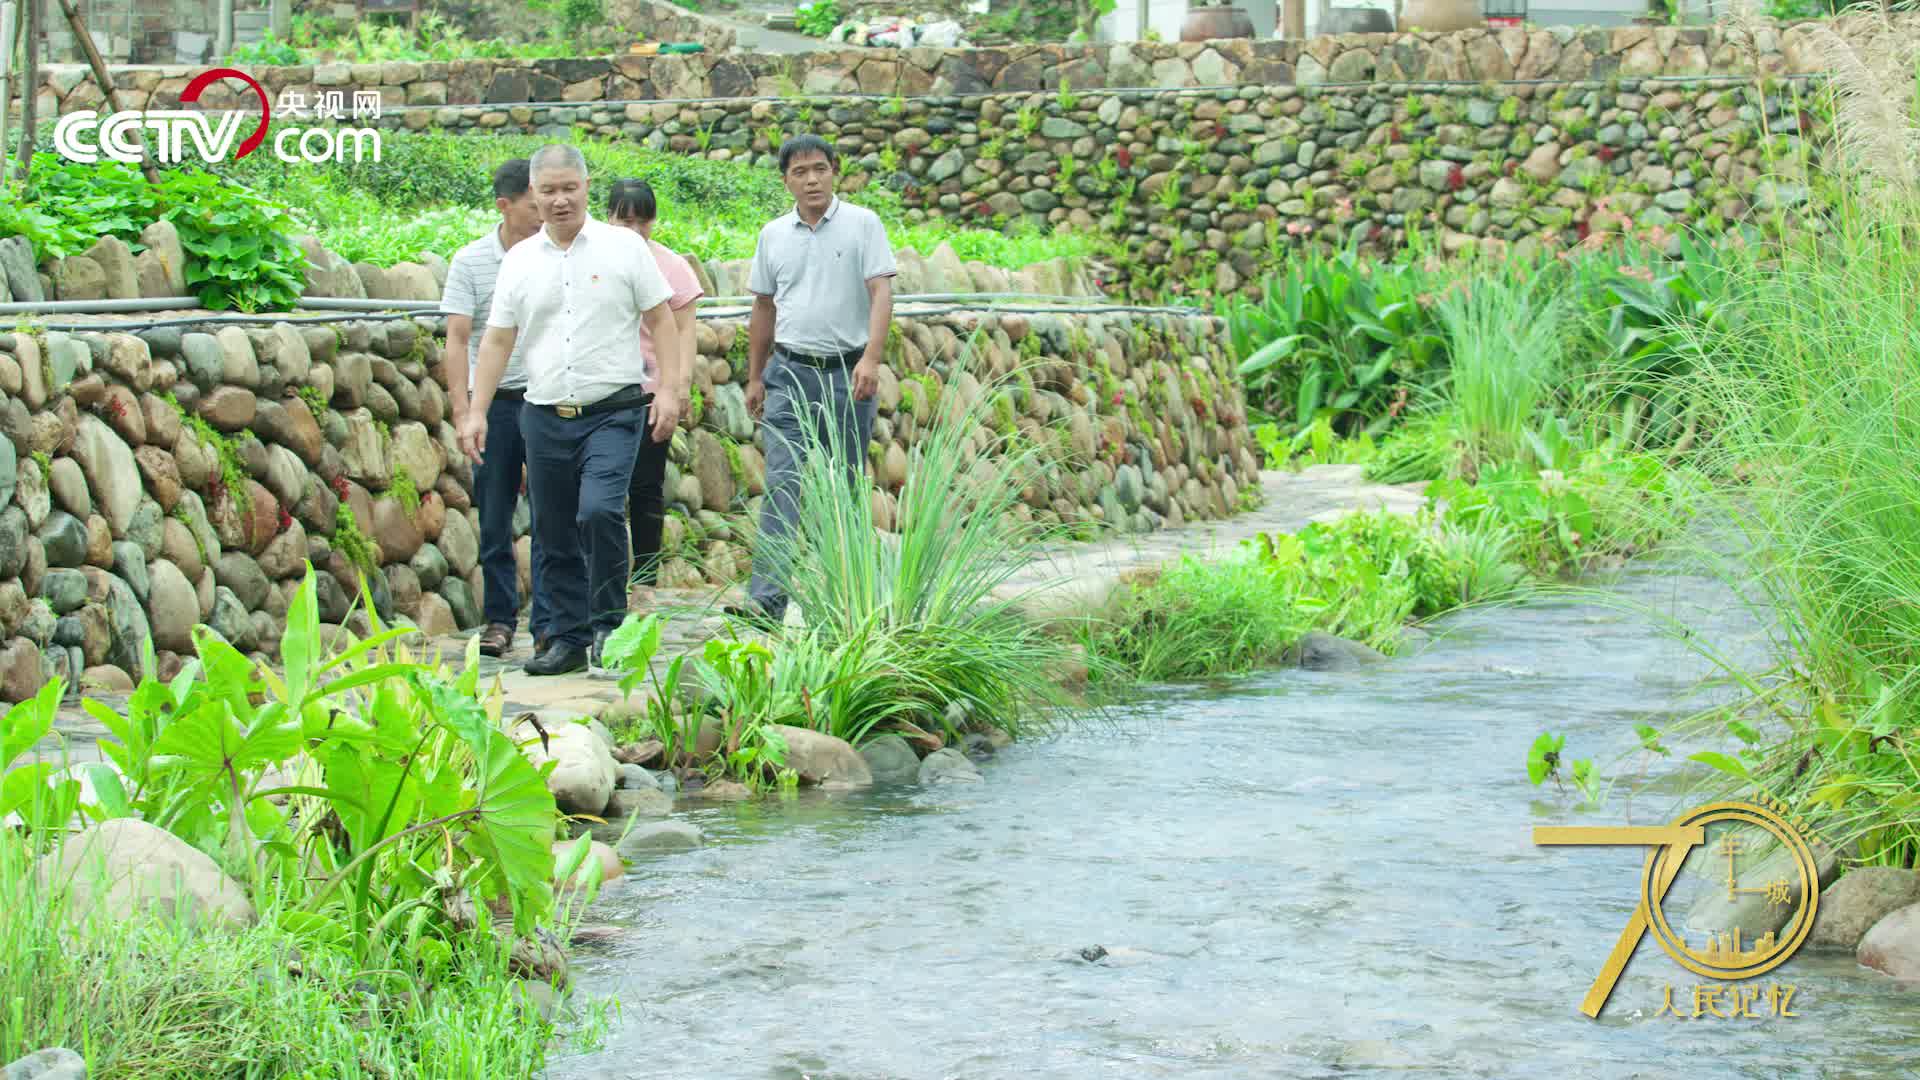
(30,89)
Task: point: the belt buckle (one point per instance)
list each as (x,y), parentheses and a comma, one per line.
(565,411)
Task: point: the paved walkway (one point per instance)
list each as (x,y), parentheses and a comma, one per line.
(1073,579)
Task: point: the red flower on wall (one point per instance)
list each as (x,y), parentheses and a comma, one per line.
(1456,178)
(340,487)
(1124,156)
(1605,153)
(286,520)
(1582,229)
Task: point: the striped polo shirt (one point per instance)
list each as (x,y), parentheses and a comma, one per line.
(470,281)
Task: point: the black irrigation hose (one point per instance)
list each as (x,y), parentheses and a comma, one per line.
(1124,91)
(269,319)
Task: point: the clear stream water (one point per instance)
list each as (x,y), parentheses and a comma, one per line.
(1296,874)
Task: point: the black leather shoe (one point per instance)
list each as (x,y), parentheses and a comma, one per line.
(756,616)
(558,658)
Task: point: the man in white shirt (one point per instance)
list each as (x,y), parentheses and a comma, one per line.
(496,485)
(575,295)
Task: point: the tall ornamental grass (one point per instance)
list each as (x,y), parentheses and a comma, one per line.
(1816,400)
(1505,337)
(933,609)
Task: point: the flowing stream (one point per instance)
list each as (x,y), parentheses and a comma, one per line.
(1297,874)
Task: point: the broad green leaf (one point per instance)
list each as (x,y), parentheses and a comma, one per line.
(1728,765)
(633,645)
(29,721)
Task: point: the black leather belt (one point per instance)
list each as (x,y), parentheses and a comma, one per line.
(845,359)
(631,398)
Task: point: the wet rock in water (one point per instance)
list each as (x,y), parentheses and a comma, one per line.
(644,753)
(891,760)
(1858,901)
(948,766)
(635,778)
(57,1063)
(1324,652)
(538,996)
(1093,953)
(823,759)
(1750,911)
(977,746)
(638,802)
(660,837)
(582,781)
(1892,947)
(597,935)
(611,868)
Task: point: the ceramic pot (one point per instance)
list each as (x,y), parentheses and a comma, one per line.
(1214,23)
(1440,16)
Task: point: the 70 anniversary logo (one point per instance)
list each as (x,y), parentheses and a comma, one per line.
(86,137)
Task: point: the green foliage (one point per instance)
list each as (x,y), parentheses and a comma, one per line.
(1066,99)
(370,807)
(71,206)
(1335,335)
(1544,759)
(316,402)
(348,540)
(233,474)
(817,19)
(402,489)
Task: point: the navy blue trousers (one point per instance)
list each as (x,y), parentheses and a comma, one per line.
(496,489)
(578,472)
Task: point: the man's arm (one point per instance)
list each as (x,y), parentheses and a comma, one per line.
(689,351)
(495,349)
(459,303)
(661,328)
(759,337)
(866,373)
(459,335)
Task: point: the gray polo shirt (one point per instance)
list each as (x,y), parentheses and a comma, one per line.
(470,280)
(818,277)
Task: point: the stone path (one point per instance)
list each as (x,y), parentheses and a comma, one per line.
(1072,580)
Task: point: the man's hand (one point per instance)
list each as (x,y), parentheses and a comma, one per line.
(664,414)
(756,397)
(473,435)
(459,410)
(866,378)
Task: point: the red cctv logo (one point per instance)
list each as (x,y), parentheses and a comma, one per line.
(86,137)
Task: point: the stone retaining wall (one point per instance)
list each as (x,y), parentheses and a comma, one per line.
(156,479)
(1471,56)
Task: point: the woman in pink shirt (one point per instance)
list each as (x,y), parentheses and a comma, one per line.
(631,205)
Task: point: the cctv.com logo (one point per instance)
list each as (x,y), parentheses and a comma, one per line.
(177,135)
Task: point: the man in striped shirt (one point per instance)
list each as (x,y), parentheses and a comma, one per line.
(496,480)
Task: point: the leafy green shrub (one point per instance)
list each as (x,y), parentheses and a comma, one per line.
(241,248)
(370,808)
(71,206)
(818,18)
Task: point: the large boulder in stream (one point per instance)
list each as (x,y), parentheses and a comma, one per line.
(823,759)
(1892,947)
(1324,652)
(891,760)
(1852,905)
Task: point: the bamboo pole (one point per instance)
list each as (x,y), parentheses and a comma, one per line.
(105,78)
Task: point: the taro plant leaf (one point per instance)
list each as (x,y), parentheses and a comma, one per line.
(1650,739)
(111,797)
(1543,758)
(513,814)
(631,648)
(29,721)
(25,792)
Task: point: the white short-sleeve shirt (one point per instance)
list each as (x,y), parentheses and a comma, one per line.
(578,311)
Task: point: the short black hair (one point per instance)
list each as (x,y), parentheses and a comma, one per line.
(511,180)
(634,197)
(807,144)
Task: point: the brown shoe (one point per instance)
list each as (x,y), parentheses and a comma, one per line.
(496,639)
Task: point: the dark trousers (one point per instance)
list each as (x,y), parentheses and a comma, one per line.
(807,409)
(578,472)
(647,508)
(496,489)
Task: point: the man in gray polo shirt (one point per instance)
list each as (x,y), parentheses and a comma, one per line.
(822,284)
(496,484)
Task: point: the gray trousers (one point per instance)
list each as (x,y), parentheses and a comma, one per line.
(808,409)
